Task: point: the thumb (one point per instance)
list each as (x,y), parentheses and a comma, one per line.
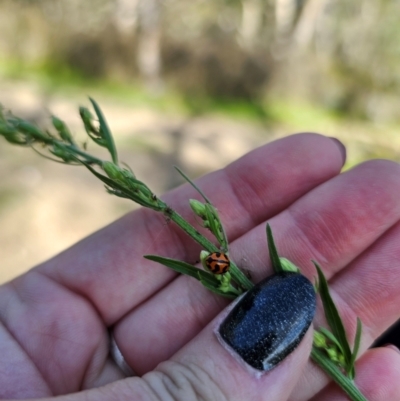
(254,350)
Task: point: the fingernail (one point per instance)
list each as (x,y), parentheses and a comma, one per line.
(392,346)
(341,147)
(270,320)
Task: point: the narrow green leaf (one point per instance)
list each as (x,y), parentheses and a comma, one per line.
(288,266)
(207,279)
(332,315)
(216,290)
(331,337)
(346,384)
(273,253)
(240,278)
(184,268)
(105,131)
(192,184)
(114,188)
(215,226)
(357,341)
(211,217)
(108,181)
(316,285)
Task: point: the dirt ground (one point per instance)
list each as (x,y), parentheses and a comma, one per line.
(46,207)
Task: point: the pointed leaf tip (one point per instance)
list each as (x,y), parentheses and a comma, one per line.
(273,253)
(333,318)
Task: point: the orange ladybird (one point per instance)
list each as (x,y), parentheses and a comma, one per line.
(218,262)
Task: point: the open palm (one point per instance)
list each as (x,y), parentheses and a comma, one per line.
(54,336)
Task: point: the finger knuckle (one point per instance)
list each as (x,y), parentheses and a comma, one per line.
(173,381)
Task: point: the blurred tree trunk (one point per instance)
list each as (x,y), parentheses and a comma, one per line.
(307,22)
(149,43)
(285,14)
(295,27)
(252,16)
(126,15)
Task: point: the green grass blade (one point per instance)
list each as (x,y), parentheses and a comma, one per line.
(105,131)
(212,288)
(332,315)
(346,384)
(108,181)
(357,341)
(192,184)
(331,337)
(273,253)
(207,279)
(184,268)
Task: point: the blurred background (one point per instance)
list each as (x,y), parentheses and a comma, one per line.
(191,83)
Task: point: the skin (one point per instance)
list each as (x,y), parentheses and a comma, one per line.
(55,318)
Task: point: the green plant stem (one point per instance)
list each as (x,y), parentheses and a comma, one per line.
(237,274)
(346,384)
(88,158)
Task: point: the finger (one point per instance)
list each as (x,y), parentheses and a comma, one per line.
(108,267)
(334,223)
(264,342)
(367,289)
(55,334)
(262,330)
(351,224)
(377,377)
(18,365)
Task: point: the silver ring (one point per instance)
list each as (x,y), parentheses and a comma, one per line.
(118,358)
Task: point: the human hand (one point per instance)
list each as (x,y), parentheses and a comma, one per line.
(54,336)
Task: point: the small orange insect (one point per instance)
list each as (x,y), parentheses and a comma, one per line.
(218,262)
